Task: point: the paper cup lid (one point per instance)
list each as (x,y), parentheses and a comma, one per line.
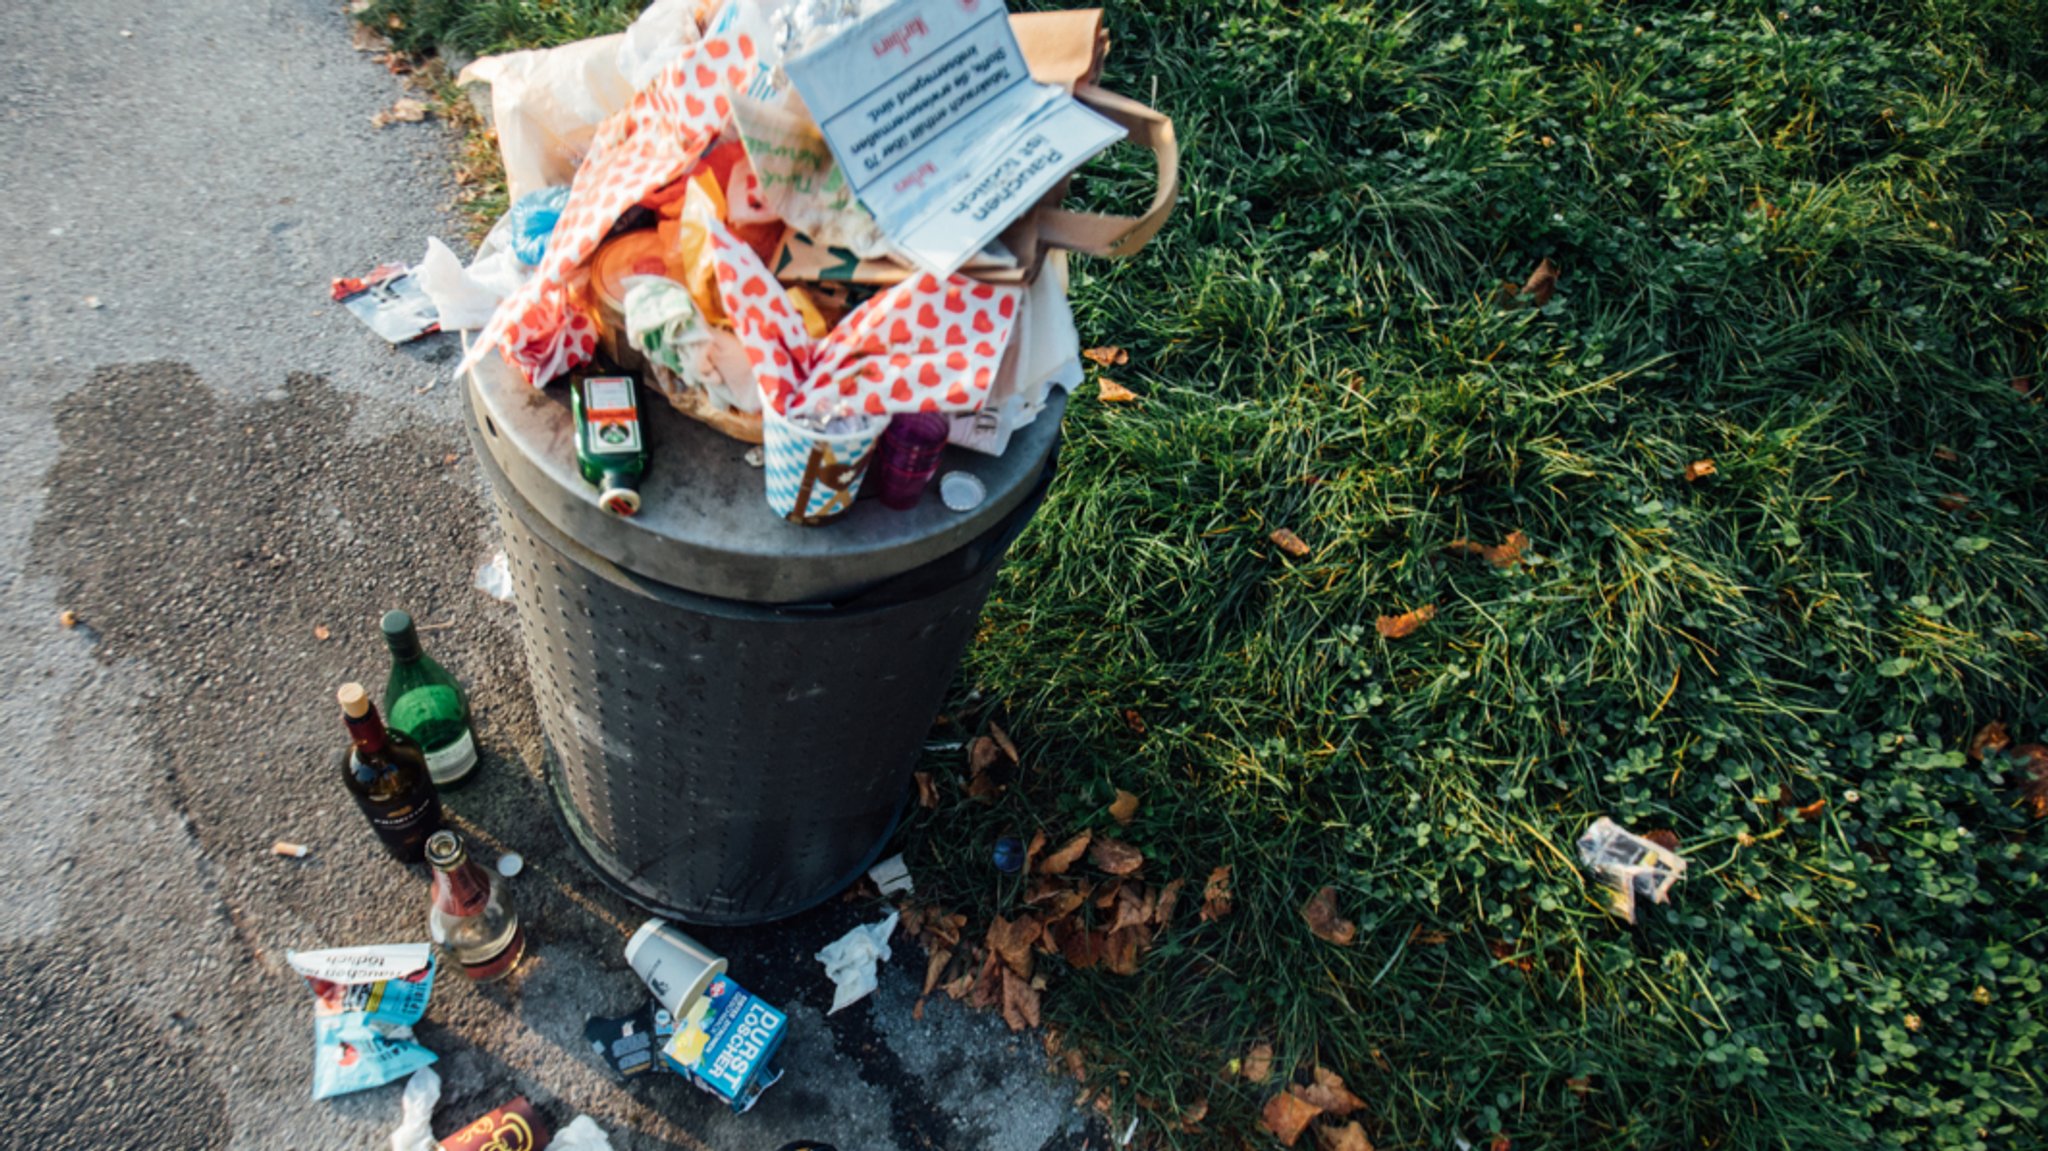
(962,491)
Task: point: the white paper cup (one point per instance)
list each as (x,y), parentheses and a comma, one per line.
(674,966)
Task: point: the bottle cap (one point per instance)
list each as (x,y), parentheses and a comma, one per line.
(962,491)
(615,497)
(444,850)
(355,702)
(399,634)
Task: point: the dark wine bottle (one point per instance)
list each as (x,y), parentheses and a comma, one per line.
(387,773)
(427,705)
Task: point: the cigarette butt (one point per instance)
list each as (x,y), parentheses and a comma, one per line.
(295,850)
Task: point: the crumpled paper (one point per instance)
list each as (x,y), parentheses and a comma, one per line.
(924,345)
(415,1130)
(850,961)
(582,1134)
(646,145)
(466,297)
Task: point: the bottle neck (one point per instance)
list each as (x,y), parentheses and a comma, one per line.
(367,730)
(463,889)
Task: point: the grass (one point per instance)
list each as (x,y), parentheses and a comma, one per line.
(1803,243)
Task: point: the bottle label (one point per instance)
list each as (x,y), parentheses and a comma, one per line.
(454,760)
(613,418)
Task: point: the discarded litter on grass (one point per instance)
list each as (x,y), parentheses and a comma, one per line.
(1632,866)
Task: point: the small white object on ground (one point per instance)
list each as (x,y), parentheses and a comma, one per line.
(756,456)
(582,1134)
(464,298)
(892,875)
(510,864)
(294,850)
(416,1116)
(93,302)
(850,961)
(494,576)
(961,491)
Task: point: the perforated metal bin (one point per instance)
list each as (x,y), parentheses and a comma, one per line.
(733,704)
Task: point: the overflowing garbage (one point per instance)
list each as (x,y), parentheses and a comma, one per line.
(826,227)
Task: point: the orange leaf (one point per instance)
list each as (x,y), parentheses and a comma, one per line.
(1668,840)
(1407,623)
(1258,1063)
(1581,1085)
(1082,949)
(981,754)
(1013,939)
(1287,1115)
(1216,895)
(1125,807)
(1057,901)
(927,790)
(935,967)
(1290,543)
(1811,811)
(2032,758)
(1952,501)
(1168,896)
(1541,284)
(1031,852)
(1329,1094)
(1991,737)
(1115,856)
(1191,1117)
(1020,1002)
(320,631)
(1350,1137)
(1133,908)
(1505,554)
(1108,357)
(1321,913)
(1004,743)
(1134,721)
(1076,1066)
(1428,938)
(1111,392)
(1699,470)
(1120,951)
(1058,862)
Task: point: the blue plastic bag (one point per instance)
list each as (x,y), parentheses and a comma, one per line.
(532,219)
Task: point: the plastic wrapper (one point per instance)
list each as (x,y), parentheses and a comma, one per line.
(546,106)
(365,1001)
(532,220)
(464,298)
(656,37)
(1632,867)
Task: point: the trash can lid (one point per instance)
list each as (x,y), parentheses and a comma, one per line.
(704,523)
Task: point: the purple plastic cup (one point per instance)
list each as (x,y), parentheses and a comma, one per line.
(908,457)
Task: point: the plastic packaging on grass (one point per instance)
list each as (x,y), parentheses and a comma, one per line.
(1632,867)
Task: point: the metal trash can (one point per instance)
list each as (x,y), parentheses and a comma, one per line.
(733,704)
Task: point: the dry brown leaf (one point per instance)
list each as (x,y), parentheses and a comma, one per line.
(1216,895)
(1290,543)
(988,982)
(1505,554)
(1125,807)
(1541,284)
(1121,950)
(1020,1002)
(1162,912)
(1082,949)
(1952,501)
(1115,856)
(2032,760)
(1105,896)
(1258,1063)
(1991,737)
(983,788)
(1111,392)
(1058,862)
(945,929)
(1811,811)
(1032,849)
(1012,939)
(1108,357)
(917,1009)
(1407,623)
(1004,743)
(67,619)
(1428,938)
(320,632)
(1192,1115)
(935,967)
(1500,1143)
(1321,913)
(1134,908)
(1350,1137)
(1076,1066)
(1699,470)
(1504,952)
(958,988)
(1580,1085)
(1947,455)
(1134,721)
(982,754)
(1668,840)
(1057,902)
(405,111)
(364,38)
(1287,1115)
(927,790)
(1329,1093)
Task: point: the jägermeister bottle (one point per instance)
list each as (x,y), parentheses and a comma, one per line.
(426,703)
(611,451)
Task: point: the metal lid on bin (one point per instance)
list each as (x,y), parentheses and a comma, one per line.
(704,523)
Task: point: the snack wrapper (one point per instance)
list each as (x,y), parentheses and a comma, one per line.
(365,1001)
(645,146)
(924,345)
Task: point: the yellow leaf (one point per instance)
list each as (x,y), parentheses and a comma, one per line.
(1111,392)
(1125,807)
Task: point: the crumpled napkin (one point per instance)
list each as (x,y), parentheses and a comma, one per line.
(850,961)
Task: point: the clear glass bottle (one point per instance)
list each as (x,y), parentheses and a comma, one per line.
(472,921)
(426,703)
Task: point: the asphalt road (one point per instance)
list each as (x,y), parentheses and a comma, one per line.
(205,460)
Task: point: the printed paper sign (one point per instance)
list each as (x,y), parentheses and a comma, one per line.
(931,111)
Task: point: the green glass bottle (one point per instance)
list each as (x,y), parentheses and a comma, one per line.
(425,703)
(611,452)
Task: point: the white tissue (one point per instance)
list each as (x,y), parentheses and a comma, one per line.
(850,961)
(415,1131)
